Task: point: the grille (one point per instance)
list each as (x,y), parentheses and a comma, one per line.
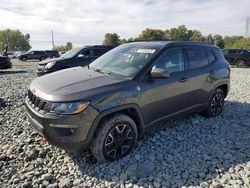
(37,103)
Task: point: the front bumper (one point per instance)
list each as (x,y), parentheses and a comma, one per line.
(6,66)
(41,70)
(69,132)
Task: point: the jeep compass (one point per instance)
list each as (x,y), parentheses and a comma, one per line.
(107,105)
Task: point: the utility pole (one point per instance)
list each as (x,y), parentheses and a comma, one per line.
(247,28)
(52,39)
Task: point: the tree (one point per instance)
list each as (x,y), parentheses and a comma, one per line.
(152,34)
(15,40)
(66,47)
(181,33)
(69,45)
(219,41)
(197,36)
(241,43)
(230,41)
(112,39)
(210,38)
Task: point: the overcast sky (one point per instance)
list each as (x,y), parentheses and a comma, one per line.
(86,21)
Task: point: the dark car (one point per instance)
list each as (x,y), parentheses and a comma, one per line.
(238,57)
(81,56)
(107,105)
(52,53)
(40,55)
(5,62)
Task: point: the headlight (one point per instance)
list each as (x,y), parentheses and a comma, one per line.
(69,108)
(49,65)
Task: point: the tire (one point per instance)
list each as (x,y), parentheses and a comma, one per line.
(240,63)
(42,58)
(24,59)
(216,104)
(114,138)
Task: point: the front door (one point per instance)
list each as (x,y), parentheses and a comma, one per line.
(85,57)
(166,96)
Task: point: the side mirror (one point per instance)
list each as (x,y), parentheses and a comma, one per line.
(81,56)
(159,73)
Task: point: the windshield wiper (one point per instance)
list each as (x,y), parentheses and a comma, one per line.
(102,71)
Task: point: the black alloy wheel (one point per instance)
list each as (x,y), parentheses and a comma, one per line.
(119,141)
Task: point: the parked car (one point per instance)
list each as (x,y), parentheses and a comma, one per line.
(76,57)
(52,53)
(11,55)
(238,57)
(40,55)
(107,105)
(5,62)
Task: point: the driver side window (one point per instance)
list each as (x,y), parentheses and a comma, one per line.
(87,53)
(171,60)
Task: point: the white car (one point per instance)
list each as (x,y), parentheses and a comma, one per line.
(11,55)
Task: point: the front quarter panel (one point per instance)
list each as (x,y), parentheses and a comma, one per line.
(130,93)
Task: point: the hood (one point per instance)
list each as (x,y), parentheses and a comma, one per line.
(74,84)
(46,61)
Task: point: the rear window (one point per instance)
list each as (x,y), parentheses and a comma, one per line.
(197,58)
(218,54)
(211,56)
(99,52)
(232,51)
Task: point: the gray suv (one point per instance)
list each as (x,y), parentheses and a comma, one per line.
(107,105)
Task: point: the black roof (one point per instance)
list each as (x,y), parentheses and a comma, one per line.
(96,46)
(160,44)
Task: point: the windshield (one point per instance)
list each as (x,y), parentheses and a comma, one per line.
(125,60)
(71,53)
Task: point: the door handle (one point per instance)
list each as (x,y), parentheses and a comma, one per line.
(183,80)
(211,72)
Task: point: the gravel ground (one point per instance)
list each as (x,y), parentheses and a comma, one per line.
(188,152)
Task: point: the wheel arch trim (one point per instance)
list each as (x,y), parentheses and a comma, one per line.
(112,111)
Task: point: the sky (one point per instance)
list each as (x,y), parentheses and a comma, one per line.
(85,22)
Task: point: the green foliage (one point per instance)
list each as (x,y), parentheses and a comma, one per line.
(241,43)
(181,33)
(152,34)
(112,39)
(219,41)
(15,40)
(66,47)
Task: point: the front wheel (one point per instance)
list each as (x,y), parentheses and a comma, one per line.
(114,138)
(216,104)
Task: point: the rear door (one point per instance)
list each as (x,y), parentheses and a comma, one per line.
(31,55)
(231,55)
(99,52)
(201,68)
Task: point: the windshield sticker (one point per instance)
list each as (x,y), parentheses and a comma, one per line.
(146,51)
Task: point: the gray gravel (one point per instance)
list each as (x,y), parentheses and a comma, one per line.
(189,152)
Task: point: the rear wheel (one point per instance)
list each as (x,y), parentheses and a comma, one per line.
(24,59)
(240,63)
(42,58)
(216,104)
(114,138)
